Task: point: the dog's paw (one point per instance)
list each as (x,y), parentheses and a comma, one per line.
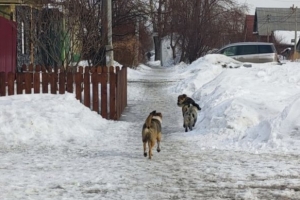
(145,154)
(158,150)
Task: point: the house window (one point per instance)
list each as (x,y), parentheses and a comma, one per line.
(23,38)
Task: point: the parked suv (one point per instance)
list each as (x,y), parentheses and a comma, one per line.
(254,52)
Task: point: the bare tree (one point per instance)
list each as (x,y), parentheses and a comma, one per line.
(196,26)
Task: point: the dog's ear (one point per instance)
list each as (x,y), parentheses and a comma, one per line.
(184,95)
(153,112)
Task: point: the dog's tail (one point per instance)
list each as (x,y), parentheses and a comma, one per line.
(196,105)
(149,119)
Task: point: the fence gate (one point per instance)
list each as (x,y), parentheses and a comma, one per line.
(8,45)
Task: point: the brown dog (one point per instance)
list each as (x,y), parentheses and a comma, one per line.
(151,132)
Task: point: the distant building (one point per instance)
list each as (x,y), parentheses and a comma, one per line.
(249,36)
(276,25)
(268,20)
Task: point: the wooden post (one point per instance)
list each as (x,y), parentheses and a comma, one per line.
(95,82)
(112,94)
(2,84)
(62,82)
(20,83)
(36,80)
(117,93)
(45,82)
(104,92)
(70,82)
(87,92)
(53,82)
(11,83)
(78,82)
(28,82)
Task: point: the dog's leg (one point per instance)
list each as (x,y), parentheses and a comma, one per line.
(150,149)
(158,142)
(186,129)
(152,145)
(145,152)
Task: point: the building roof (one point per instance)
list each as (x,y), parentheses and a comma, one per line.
(286,37)
(268,20)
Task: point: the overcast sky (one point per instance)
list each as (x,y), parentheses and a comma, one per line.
(270,3)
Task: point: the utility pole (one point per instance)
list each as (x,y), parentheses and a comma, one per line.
(296,29)
(268,20)
(109,46)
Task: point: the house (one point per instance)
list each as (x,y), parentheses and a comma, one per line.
(20,14)
(285,41)
(248,29)
(35,33)
(268,21)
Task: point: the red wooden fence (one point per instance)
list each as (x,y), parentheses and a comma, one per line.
(85,83)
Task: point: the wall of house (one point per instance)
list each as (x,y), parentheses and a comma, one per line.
(5,11)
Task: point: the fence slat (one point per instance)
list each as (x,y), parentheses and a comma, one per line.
(87,93)
(95,80)
(2,84)
(53,82)
(103,80)
(11,83)
(78,81)
(45,82)
(112,96)
(125,85)
(70,82)
(20,77)
(36,82)
(118,92)
(62,82)
(28,82)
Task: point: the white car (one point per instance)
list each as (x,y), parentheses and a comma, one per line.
(254,52)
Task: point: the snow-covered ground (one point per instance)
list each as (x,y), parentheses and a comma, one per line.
(245,144)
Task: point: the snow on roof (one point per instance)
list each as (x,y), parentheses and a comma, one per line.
(285,37)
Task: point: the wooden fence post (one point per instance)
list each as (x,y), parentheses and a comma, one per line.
(87,92)
(2,84)
(36,79)
(62,82)
(11,83)
(45,82)
(104,92)
(53,82)
(28,82)
(118,92)
(20,83)
(112,94)
(70,82)
(78,81)
(95,82)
